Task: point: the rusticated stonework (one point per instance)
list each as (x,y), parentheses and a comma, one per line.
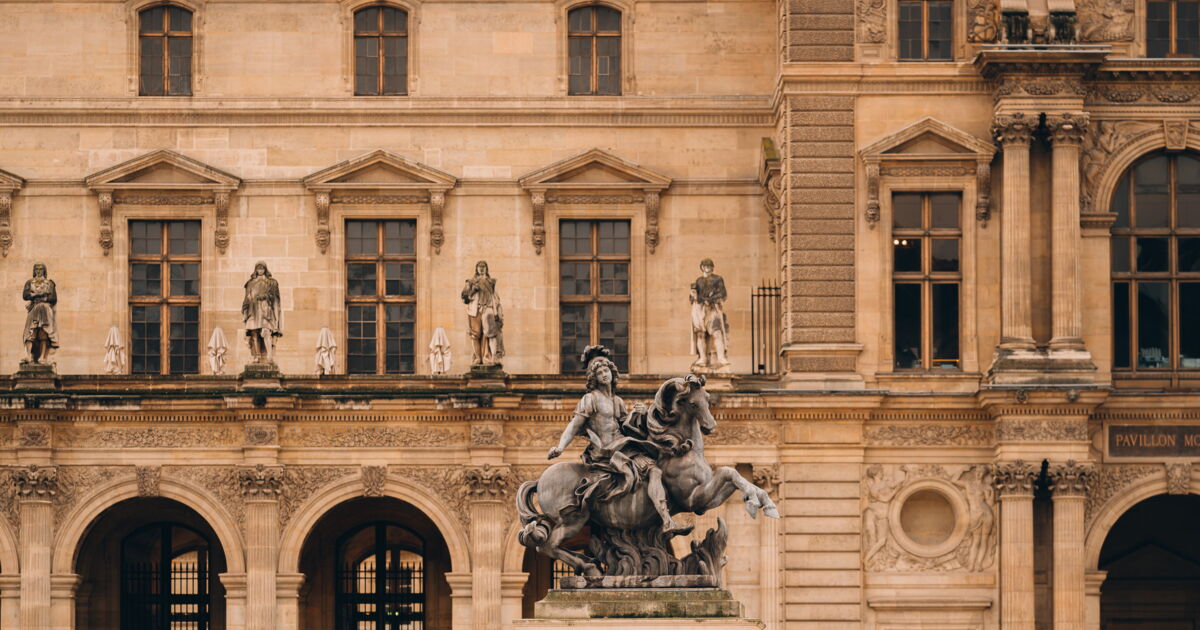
(1179,478)
(360,437)
(929,435)
(1112,480)
(147,437)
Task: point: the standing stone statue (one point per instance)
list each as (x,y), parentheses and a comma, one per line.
(485,317)
(262,314)
(710,327)
(41,329)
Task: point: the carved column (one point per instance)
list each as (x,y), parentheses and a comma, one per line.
(486,487)
(768,478)
(35,488)
(322,198)
(1066,136)
(261,487)
(1014,133)
(1070,483)
(1014,487)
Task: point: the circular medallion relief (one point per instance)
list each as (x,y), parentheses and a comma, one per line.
(929,517)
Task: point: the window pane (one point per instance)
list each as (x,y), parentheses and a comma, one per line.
(1189,255)
(399,338)
(1187,28)
(361,238)
(945,254)
(367,20)
(1120,254)
(146,237)
(906,210)
(395,65)
(575,278)
(151,79)
(944,208)
(608,20)
(145,339)
(360,279)
(1153,325)
(1189,335)
(146,279)
(1120,203)
(184,238)
(576,335)
(907,254)
(152,20)
(366,65)
(614,332)
(945,325)
(185,339)
(1187,193)
(580,62)
(614,278)
(181,65)
(614,237)
(401,279)
(1158,28)
(575,237)
(1151,200)
(399,237)
(608,65)
(1120,324)
(394,20)
(1152,254)
(181,20)
(580,20)
(185,279)
(907,326)
(939,30)
(910,30)
(360,339)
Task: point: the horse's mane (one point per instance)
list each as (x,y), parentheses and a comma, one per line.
(654,424)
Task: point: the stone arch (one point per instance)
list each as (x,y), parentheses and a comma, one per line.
(514,551)
(1146,138)
(77,522)
(294,534)
(10,559)
(1109,513)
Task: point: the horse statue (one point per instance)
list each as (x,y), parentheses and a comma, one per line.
(629,538)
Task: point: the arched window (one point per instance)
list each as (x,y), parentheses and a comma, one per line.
(1173,28)
(1156,265)
(380,51)
(165,51)
(380,579)
(594,50)
(165,579)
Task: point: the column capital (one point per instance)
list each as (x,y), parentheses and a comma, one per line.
(261,482)
(1071,479)
(1014,479)
(1015,130)
(1067,129)
(486,482)
(35,482)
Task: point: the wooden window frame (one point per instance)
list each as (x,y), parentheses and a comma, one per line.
(925,31)
(595,258)
(594,35)
(1174,371)
(381,35)
(1173,22)
(381,300)
(165,300)
(927,278)
(165,35)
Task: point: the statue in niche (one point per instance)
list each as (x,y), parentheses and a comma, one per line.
(710,327)
(262,314)
(484,317)
(881,489)
(614,491)
(980,496)
(41,328)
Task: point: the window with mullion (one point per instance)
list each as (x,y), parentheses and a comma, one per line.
(1156,265)
(381,296)
(594,51)
(926,277)
(164,297)
(165,51)
(381,51)
(1173,28)
(926,30)
(594,290)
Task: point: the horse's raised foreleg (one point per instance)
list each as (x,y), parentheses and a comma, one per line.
(562,531)
(724,482)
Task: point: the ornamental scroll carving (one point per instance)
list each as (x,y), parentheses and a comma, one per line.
(1179,478)
(539,220)
(1105,20)
(981,21)
(147,437)
(872,21)
(1112,480)
(221,231)
(873,172)
(971,544)
(1175,134)
(1099,145)
(6,237)
(743,433)
(1041,431)
(487,481)
(33,435)
(446,482)
(365,437)
(222,482)
(105,199)
(768,477)
(374,480)
(261,435)
(302,482)
(930,435)
(486,435)
(147,480)
(532,436)
(322,236)
(74,483)
(773,200)
(1071,478)
(261,482)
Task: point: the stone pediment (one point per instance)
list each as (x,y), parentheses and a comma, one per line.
(379,170)
(162,170)
(927,139)
(594,169)
(9,184)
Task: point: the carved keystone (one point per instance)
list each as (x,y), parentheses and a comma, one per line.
(1179,478)
(374,478)
(147,480)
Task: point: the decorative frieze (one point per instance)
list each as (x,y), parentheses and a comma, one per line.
(1040,86)
(743,433)
(486,435)
(1020,430)
(33,435)
(261,482)
(929,435)
(147,437)
(1071,478)
(1179,477)
(367,437)
(1015,478)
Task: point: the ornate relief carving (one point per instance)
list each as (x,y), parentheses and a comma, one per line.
(1105,20)
(221,231)
(768,477)
(1112,480)
(1041,431)
(983,192)
(105,199)
(1014,129)
(33,435)
(972,486)
(261,482)
(653,201)
(35,482)
(73,483)
(1040,86)
(873,172)
(539,220)
(1071,478)
(532,436)
(323,201)
(437,207)
(486,481)
(6,238)
(223,482)
(377,436)
(147,437)
(162,200)
(301,482)
(931,170)
(1174,93)
(981,21)
(872,21)
(1118,94)
(1175,132)
(147,480)
(742,433)
(374,478)
(929,435)
(446,482)
(1104,139)
(261,435)
(1067,128)
(485,435)
(1014,478)
(9,504)
(595,199)
(773,200)
(1179,478)
(379,200)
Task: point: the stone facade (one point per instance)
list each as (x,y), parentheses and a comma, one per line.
(769,136)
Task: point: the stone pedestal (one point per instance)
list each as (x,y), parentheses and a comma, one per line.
(629,624)
(638,603)
(35,376)
(261,376)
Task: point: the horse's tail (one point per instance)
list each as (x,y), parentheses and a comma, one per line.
(536,530)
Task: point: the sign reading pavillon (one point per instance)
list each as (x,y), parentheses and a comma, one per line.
(1154,441)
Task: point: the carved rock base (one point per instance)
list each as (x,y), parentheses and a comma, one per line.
(639,603)
(640,581)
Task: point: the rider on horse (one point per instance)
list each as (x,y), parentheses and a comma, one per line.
(617,456)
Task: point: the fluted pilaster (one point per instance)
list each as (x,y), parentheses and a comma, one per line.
(35,487)
(1066,136)
(486,487)
(1014,133)
(261,487)
(1014,487)
(1069,485)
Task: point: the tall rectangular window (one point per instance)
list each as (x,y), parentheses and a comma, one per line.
(1173,28)
(926,30)
(164,297)
(165,51)
(381,296)
(926,246)
(594,50)
(380,51)
(594,289)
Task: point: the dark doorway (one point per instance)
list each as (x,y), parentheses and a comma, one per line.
(1152,556)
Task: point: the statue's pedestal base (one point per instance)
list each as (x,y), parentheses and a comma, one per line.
(35,376)
(682,623)
(639,603)
(261,376)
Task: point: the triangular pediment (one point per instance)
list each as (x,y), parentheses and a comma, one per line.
(380,170)
(10,182)
(931,138)
(594,169)
(162,169)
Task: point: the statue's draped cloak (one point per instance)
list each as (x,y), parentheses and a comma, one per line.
(42,296)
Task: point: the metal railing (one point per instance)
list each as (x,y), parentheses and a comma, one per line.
(765,319)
